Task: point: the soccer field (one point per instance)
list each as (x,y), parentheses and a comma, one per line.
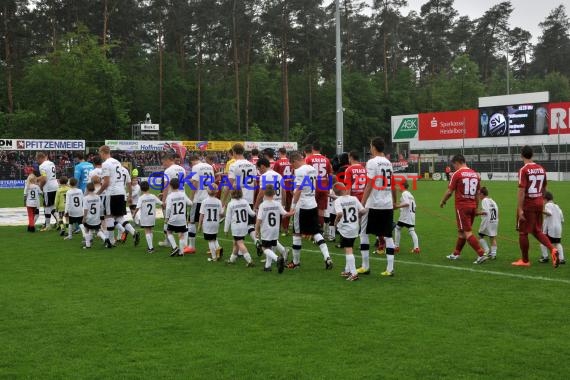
(121,313)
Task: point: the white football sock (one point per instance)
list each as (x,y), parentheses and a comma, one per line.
(281,250)
(233,258)
(183,241)
(212,246)
(88,238)
(296,252)
(414,236)
(101,235)
(397,235)
(192,235)
(323,246)
(130,229)
(484,244)
(148,237)
(544,251)
(268,262)
(253,236)
(390,263)
(270,254)
(351,263)
(247,257)
(494,250)
(171,240)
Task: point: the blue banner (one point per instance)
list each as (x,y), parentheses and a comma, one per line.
(12,184)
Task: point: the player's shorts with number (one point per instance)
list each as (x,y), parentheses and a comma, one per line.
(306,221)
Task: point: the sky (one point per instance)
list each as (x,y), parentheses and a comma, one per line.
(527,14)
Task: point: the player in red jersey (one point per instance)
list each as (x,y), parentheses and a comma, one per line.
(283,167)
(532,185)
(324,176)
(465,182)
(355,175)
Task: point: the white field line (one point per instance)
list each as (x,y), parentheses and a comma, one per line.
(439,266)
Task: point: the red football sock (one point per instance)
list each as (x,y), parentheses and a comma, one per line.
(459,246)
(543,239)
(523,243)
(474,243)
(31,222)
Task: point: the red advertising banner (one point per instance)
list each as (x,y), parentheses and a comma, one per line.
(559,118)
(449,125)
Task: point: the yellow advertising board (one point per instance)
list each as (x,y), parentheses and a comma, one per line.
(215,146)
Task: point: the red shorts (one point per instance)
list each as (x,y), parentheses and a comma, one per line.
(532,222)
(465,218)
(322,198)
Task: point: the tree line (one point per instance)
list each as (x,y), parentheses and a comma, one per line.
(259,69)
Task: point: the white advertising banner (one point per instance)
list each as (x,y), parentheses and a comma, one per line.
(135,145)
(260,145)
(41,144)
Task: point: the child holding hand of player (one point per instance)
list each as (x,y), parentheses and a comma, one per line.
(175,217)
(145,210)
(32,201)
(237,212)
(267,228)
(552,228)
(348,211)
(209,223)
(92,216)
(73,207)
(60,203)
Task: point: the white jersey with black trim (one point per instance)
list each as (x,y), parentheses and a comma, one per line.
(552,224)
(349,207)
(237,212)
(211,208)
(146,205)
(271,177)
(244,173)
(176,203)
(270,212)
(204,175)
(408,213)
(74,202)
(92,204)
(47,170)
(114,170)
(306,181)
(379,170)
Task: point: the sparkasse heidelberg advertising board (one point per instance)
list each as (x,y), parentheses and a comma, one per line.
(38,144)
(449,125)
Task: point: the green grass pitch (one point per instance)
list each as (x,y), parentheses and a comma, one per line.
(70,313)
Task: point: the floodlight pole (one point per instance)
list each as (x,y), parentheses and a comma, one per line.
(558,158)
(339,111)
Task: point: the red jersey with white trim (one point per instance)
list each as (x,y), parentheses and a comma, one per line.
(532,178)
(466,183)
(323,167)
(283,167)
(356,176)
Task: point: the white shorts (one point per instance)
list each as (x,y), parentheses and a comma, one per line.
(490,230)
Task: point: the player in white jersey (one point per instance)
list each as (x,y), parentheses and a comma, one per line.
(407,220)
(73,207)
(48,184)
(347,215)
(135,195)
(126,183)
(175,217)
(242,175)
(489,223)
(267,227)
(379,199)
(238,211)
(330,216)
(114,183)
(171,171)
(92,217)
(268,176)
(209,223)
(32,194)
(145,210)
(306,221)
(202,177)
(552,228)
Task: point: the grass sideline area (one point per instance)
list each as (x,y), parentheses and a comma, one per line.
(70,313)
